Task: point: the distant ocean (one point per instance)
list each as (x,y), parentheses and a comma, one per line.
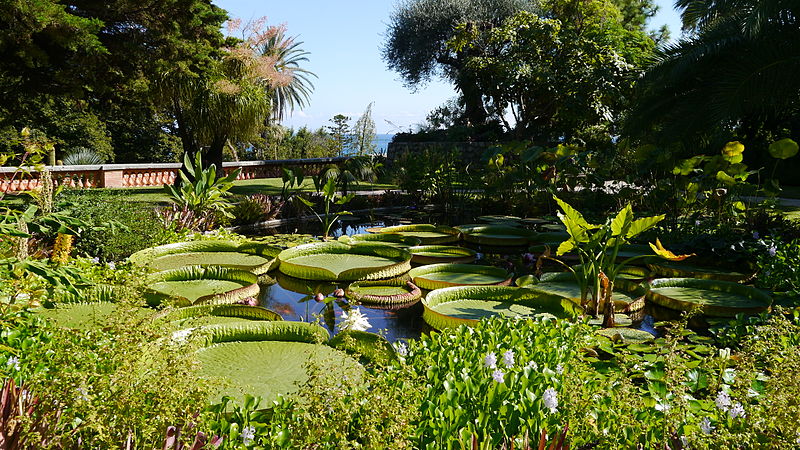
(382,142)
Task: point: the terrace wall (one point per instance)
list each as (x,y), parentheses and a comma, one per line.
(143,175)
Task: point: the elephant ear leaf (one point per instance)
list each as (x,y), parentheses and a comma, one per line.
(566,247)
(639,226)
(659,250)
(573,220)
(622,222)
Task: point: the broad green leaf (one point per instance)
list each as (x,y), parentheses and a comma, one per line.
(622,223)
(732,149)
(639,226)
(783,149)
(725,178)
(566,247)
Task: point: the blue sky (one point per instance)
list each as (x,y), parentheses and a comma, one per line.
(344,39)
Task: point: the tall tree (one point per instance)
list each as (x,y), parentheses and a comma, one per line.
(736,70)
(416,44)
(364,133)
(341,133)
(562,74)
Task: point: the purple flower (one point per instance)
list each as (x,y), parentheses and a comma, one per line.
(773,250)
(755,235)
(497,375)
(737,410)
(508,358)
(490,361)
(550,399)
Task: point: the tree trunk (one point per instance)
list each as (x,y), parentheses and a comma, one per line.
(214,152)
(188,142)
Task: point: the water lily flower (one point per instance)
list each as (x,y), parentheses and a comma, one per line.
(508,358)
(13,363)
(248,434)
(401,348)
(319,296)
(490,361)
(723,400)
(498,375)
(550,399)
(737,410)
(339,293)
(705,426)
(354,320)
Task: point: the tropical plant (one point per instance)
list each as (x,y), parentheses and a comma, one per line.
(598,246)
(288,56)
(201,191)
(79,156)
(256,208)
(329,198)
(735,70)
(364,133)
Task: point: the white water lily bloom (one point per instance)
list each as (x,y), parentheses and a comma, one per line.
(508,358)
(248,434)
(705,426)
(737,410)
(498,375)
(354,320)
(182,336)
(13,363)
(490,361)
(723,400)
(550,399)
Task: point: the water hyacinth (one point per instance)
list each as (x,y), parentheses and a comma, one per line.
(705,426)
(550,399)
(723,400)
(248,434)
(773,250)
(13,363)
(498,375)
(401,348)
(354,320)
(490,361)
(737,410)
(508,358)
(532,365)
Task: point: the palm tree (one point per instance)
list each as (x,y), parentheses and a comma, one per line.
(295,90)
(737,68)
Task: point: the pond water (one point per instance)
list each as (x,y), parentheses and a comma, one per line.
(294,299)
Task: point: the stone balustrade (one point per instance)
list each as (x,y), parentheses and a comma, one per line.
(143,175)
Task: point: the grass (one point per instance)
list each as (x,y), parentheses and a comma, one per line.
(271,186)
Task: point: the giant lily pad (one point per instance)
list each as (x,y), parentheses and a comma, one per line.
(384,292)
(713,297)
(496,235)
(250,256)
(268,359)
(427,233)
(335,261)
(680,269)
(202,285)
(434,254)
(451,307)
(202,315)
(625,295)
(394,240)
(436,276)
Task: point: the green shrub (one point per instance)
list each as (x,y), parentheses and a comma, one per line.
(128,226)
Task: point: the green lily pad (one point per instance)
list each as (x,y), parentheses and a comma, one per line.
(251,256)
(434,254)
(625,295)
(626,335)
(680,269)
(451,307)
(335,261)
(713,297)
(437,276)
(428,234)
(383,292)
(496,235)
(201,315)
(202,285)
(394,240)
